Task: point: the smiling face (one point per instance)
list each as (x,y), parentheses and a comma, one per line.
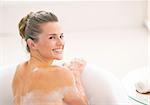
(50,44)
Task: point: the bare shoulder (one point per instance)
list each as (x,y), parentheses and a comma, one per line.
(63,74)
(19,72)
(16,83)
(63,70)
(20,68)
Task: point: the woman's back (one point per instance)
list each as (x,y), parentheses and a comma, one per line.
(38,85)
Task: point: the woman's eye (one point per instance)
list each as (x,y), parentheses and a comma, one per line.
(52,37)
(61,36)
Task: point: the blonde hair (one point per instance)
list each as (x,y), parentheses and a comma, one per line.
(29,26)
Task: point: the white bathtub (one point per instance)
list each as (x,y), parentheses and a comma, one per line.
(101,86)
(6,76)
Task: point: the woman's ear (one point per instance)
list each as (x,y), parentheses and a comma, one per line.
(31,44)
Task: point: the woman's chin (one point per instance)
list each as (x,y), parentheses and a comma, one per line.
(59,58)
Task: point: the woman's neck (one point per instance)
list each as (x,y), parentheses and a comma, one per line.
(39,61)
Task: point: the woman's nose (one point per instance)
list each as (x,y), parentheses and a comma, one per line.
(60,41)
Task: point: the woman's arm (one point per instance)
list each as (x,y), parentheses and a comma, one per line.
(76,67)
(72,98)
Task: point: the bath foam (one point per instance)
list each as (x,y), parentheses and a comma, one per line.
(53,98)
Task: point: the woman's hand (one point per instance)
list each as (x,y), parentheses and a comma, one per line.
(77,65)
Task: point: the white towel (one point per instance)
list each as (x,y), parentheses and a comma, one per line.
(143,86)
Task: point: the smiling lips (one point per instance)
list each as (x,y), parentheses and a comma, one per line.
(58,51)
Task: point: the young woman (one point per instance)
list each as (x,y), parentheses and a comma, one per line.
(39,82)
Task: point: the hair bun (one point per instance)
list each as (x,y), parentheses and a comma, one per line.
(22,25)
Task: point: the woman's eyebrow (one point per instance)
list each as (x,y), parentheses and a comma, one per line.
(52,34)
(55,34)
